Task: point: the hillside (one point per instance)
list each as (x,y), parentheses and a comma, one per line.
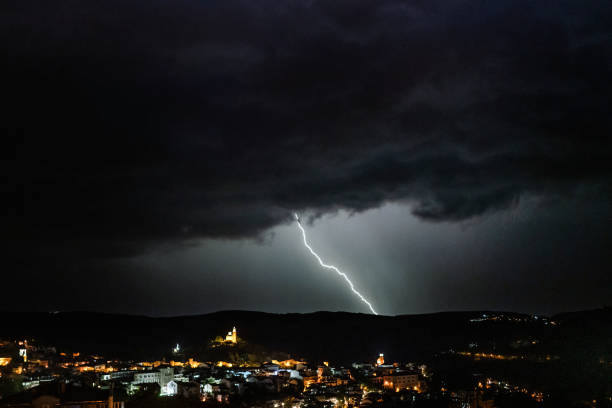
(336,336)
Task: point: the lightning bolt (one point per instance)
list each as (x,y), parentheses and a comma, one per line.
(332,267)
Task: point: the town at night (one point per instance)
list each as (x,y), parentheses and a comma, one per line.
(319,360)
(306,204)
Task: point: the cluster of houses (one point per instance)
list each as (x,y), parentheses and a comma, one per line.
(93,382)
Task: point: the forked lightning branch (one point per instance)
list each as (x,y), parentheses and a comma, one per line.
(332,267)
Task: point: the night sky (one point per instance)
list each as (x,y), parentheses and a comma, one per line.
(447,155)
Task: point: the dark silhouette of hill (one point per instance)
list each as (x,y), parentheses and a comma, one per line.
(335,336)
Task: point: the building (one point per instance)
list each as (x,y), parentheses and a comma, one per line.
(381,359)
(164,377)
(171,388)
(401,381)
(290,363)
(117,375)
(148,377)
(232,336)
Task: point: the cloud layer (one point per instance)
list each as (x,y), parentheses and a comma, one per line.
(140,122)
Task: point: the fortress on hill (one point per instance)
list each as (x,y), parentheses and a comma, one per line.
(232,337)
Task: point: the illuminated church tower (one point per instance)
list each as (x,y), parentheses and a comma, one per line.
(380,360)
(232,336)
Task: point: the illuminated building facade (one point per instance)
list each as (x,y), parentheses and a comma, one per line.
(232,336)
(401,381)
(146,378)
(24,354)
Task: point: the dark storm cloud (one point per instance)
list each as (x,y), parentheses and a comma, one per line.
(138,122)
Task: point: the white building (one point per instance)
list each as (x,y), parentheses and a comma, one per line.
(147,377)
(163,377)
(171,388)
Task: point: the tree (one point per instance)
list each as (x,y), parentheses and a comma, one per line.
(10,384)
